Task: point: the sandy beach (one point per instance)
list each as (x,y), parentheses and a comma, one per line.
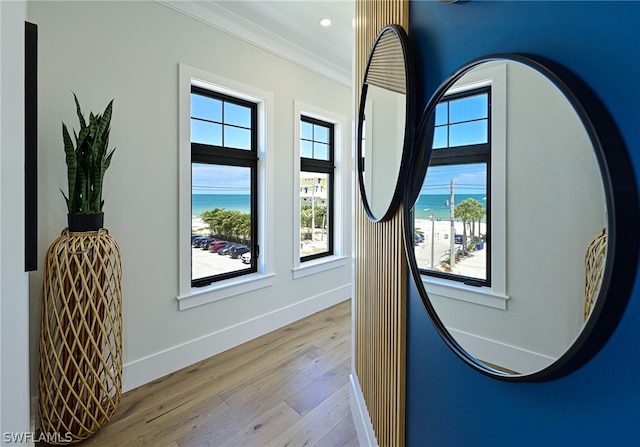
(198,225)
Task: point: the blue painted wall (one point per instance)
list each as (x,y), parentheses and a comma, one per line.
(449,404)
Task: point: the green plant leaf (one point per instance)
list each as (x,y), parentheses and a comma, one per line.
(79,112)
(82,188)
(72,167)
(88,161)
(105,119)
(66,199)
(80,139)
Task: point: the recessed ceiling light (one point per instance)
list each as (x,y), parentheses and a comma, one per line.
(325,22)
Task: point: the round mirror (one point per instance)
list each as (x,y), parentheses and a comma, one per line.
(386,123)
(510,227)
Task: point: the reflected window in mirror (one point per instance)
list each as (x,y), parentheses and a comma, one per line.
(451,211)
(461,205)
(316,188)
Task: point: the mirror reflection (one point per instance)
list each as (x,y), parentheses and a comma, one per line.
(382,146)
(511,219)
(385,123)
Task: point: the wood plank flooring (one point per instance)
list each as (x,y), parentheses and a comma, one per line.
(286,388)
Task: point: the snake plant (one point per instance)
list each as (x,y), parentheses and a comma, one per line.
(87,161)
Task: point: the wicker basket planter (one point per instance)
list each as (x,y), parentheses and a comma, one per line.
(80,370)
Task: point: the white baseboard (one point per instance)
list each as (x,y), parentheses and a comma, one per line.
(508,356)
(147,369)
(360,414)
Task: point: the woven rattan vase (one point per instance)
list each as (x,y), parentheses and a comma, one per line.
(80,371)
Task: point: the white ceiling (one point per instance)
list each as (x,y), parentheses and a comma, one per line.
(289,28)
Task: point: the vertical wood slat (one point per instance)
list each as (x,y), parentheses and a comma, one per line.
(381,269)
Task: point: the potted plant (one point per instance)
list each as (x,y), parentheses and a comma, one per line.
(80,353)
(87,162)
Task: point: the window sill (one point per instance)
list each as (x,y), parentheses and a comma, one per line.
(483,296)
(224,289)
(318,265)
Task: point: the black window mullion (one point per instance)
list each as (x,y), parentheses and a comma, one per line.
(308,164)
(463,155)
(203,151)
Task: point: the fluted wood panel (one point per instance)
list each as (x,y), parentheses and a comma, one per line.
(386,66)
(380,277)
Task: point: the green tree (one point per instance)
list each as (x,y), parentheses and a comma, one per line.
(469,211)
(228,224)
(306,217)
(312,216)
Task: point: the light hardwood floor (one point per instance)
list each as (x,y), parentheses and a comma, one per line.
(286,388)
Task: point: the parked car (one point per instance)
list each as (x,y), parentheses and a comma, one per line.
(201,241)
(205,242)
(217,245)
(238,251)
(195,240)
(246,258)
(417,238)
(227,250)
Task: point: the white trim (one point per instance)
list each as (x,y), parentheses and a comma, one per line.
(507,356)
(224,289)
(149,368)
(458,291)
(340,175)
(360,414)
(315,266)
(189,297)
(219,17)
(498,77)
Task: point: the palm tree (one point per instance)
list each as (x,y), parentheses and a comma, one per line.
(306,219)
(469,210)
(228,224)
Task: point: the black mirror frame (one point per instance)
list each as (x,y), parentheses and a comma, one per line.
(409,128)
(623,218)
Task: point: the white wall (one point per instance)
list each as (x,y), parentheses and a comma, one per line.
(14,303)
(130,51)
(555,205)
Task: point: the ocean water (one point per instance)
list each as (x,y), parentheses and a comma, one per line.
(206,202)
(438,204)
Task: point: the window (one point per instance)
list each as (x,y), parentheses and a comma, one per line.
(223,186)
(226,173)
(452,213)
(316,188)
(321,144)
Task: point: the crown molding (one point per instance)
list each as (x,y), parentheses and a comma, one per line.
(220,18)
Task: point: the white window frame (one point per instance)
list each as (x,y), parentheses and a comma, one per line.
(338,259)
(188,296)
(495,295)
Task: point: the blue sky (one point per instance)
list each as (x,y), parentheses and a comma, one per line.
(217,179)
(467,179)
